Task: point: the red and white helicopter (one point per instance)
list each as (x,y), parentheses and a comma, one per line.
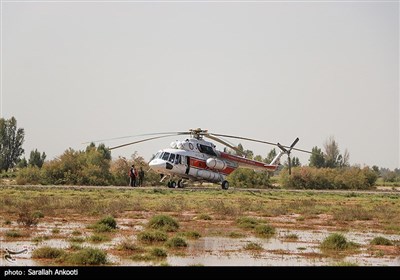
(196,159)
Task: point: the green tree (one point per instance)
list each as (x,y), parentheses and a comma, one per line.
(11,140)
(332,152)
(36,159)
(295,162)
(317,158)
(271,155)
(22,163)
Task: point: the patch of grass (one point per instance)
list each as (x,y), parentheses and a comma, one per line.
(75,247)
(76,232)
(344,263)
(352,213)
(205,217)
(176,242)
(152,236)
(77,239)
(47,253)
(291,237)
(129,245)
(87,256)
(7,222)
(253,246)
(55,231)
(108,221)
(265,230)
(38,239)
(27,218)
(98,238)
(247,222)
(337,242)
(14,234)
(163,222)
(379,240)
(191,234)
(234,234)
(106,224)
(158,253)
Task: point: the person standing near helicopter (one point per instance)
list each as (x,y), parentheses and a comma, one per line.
(132,176)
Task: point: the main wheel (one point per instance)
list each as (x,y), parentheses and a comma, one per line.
(180,183)
(225,185)
(173,184)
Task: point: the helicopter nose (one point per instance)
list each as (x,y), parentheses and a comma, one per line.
(157,165)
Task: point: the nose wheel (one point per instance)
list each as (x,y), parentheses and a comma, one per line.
(225,185)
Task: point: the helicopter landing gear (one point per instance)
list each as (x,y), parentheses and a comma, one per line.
(180,183)
(171,184)
(225,185)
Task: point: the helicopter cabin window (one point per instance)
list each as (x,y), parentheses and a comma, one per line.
(172,158)
(165,156)
(206,149)
(158,155)
(178,159)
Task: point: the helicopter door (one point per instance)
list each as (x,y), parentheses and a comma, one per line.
(185,161)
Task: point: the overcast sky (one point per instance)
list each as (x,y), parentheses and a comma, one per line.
(80,71)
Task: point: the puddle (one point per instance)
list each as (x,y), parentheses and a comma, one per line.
(216,251)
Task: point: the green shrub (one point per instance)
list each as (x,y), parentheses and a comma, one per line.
(205,217)
(13,234)
(247,222)
(176,242)
(337,242)
(128,245)
(152,236)
(291,236)
(87,256)
(265,230)
(98,238)
(158,253)
(379,240)
(47,253)
(253,246)
(108,221)
(163,222)
(234,234)
(329,178)
(55,231)
(191,234)
(77,239)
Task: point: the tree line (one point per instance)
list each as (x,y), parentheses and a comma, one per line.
(94,166)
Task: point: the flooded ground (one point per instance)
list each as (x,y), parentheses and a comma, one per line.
(287,248)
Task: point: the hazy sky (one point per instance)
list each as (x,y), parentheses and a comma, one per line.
(80,71)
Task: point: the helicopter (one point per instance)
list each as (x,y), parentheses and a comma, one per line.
(196,159)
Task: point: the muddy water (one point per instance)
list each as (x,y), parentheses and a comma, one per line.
(223,251)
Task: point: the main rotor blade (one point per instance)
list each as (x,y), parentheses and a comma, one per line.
(140,141)
(259,141)
(224,143)
(139,135)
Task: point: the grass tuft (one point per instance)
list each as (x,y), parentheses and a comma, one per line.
(265,230)
(47,253)
(337,242)
(252,246)
(163,222)
(176,242)
(87,256)
(379,240)
(152,236)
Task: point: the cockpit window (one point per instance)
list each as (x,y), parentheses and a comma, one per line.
(172,158)
(158,155)
(165,156)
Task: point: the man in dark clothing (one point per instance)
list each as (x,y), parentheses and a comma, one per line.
(132,176)
(141,177)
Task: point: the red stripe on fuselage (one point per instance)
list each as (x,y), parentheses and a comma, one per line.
(201,164)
